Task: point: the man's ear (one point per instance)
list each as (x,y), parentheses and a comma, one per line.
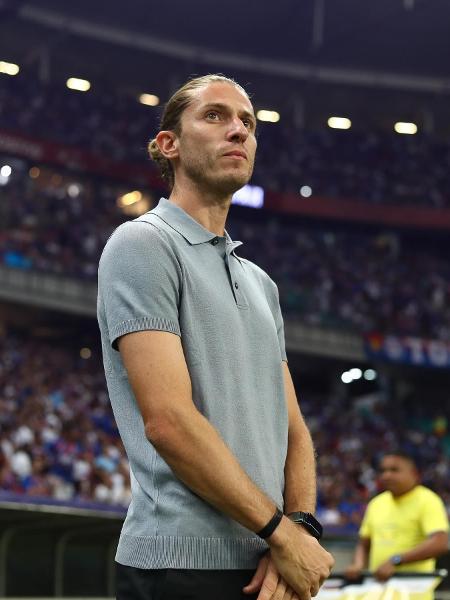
(168,144)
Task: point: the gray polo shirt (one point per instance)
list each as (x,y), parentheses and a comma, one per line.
(164,271)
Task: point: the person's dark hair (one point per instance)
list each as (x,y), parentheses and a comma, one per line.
(405,454)
(171,117)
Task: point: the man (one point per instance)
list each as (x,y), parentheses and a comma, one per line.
(196,368)
(404,528)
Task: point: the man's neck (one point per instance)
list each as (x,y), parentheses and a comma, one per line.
(403,493)
(205,207)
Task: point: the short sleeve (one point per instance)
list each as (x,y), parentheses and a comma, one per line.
(139,282)
(433,515)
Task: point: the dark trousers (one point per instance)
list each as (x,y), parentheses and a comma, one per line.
(181,584)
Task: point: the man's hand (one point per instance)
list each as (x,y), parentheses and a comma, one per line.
(360,559)
(384,571)
(299,559)
(353,571)
(268,583)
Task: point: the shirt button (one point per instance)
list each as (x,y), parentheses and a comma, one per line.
(236,285)
(215,241)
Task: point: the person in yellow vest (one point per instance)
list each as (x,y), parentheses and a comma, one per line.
(404,528)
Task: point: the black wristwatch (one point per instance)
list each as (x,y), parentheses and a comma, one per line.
(396,560)
(309,522)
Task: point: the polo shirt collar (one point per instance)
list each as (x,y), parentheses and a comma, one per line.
(230,245)
(188,227)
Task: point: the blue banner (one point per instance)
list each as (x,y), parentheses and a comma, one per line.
(408,350)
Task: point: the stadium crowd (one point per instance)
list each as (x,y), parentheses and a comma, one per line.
(372,167)
(369,282)
(348,456)
(58,437)
(57,433)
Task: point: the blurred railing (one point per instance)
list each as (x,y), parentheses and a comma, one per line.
(49,548)
(70,295)
(56,550)
(48,291)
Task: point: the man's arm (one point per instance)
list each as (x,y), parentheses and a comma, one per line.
(194,450)
(435,545)
(299,489)
(300,467)
(360,558)
(192,447)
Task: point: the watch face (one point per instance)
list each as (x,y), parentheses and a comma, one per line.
(310,523)
(396,560)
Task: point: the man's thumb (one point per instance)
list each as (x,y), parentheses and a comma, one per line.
(256,582)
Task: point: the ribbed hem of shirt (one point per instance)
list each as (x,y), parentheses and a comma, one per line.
(167,552)
(142,324)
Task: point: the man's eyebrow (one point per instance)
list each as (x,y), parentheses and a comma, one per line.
(225,107)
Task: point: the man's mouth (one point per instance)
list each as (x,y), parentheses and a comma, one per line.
(236,154)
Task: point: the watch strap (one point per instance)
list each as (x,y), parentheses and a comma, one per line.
(268,529)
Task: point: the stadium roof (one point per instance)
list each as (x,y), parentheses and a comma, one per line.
(278,47)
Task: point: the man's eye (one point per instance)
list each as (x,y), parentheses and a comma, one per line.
(212,114)
(249,124)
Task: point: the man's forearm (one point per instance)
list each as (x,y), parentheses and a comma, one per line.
(433,546)
(361,556)
(196,453)
(300,472)
(300,466)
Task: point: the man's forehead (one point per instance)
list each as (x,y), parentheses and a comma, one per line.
(392,460)
(225,93)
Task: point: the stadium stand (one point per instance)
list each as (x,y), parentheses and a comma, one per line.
(58,435)
(366,281)
(370,166)
(373,264)
(55,220)
(59,440)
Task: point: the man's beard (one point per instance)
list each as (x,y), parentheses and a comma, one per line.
(222,184)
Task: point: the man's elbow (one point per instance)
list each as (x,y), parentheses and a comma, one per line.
(444,543)
(160,432)
(167,430)
(441,542)
(365,543)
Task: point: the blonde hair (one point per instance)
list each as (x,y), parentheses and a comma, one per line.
(171,117)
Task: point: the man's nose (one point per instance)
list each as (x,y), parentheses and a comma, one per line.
(237,130)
